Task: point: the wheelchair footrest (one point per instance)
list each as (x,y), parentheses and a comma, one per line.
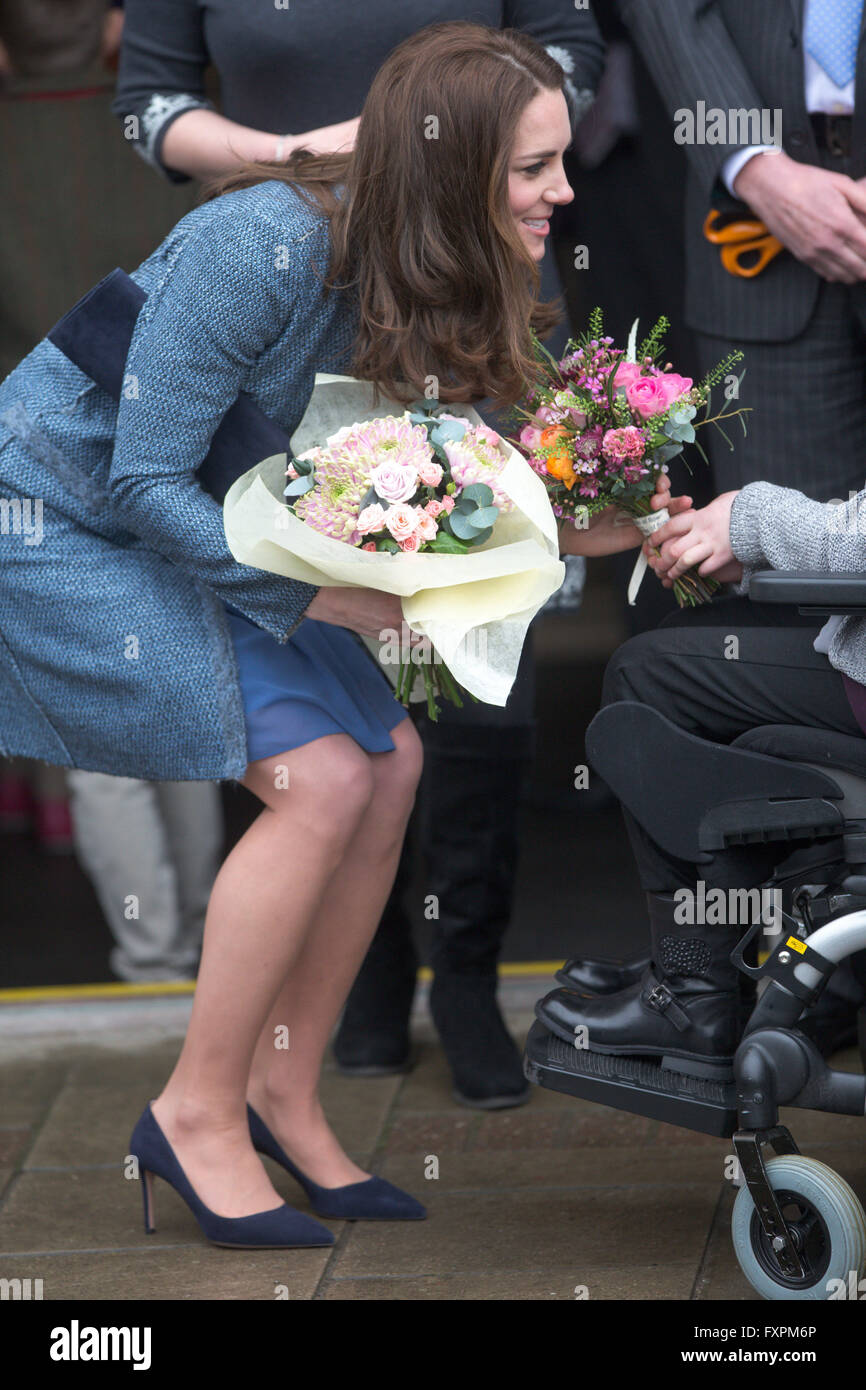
(636,1084)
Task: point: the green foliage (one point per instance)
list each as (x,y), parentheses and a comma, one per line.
(653,343)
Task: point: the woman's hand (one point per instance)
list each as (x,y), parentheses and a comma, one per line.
(611,531)
(206,145)
(363,610)
(326,140)
(701,538)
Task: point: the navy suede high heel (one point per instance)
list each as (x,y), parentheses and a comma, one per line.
(372,1199)
(278,1229)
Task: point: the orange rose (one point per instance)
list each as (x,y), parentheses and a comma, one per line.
(550,435)
(559,465)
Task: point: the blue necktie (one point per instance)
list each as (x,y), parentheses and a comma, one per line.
(832,36)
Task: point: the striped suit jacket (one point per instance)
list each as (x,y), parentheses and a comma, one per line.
(739,56)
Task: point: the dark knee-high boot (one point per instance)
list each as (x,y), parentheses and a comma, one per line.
(471,843)
(373,1036)
(685,1009)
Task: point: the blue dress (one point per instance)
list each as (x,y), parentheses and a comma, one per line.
(322,681)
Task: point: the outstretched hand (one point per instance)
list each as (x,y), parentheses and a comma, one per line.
(611,531)
(701,538)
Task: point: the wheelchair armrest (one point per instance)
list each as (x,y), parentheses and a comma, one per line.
(812,591)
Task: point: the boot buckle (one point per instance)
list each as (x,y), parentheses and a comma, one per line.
(662,1000)
(659,998)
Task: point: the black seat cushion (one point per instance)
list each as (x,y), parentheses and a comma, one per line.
(794,743)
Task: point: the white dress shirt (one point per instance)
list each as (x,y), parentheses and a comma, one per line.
(822,94)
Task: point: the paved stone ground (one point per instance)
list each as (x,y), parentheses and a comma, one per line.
(529,1204)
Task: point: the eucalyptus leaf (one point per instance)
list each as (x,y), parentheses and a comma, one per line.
(485,516)
(478,492)
(665,453)
(302,466)
(447,431)
(462,526)
(482,536)
(298,486)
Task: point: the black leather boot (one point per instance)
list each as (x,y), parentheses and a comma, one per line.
(600,975)
(685,1009)
(470,837)
(373,1036)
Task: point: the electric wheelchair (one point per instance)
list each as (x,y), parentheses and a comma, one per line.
(797,1226)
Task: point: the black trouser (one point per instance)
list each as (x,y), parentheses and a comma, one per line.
(681,669)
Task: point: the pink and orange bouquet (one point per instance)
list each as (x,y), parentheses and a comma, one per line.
(600,424)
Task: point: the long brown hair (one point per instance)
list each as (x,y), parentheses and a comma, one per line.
(447,289)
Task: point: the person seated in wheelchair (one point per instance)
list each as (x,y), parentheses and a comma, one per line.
(717,672)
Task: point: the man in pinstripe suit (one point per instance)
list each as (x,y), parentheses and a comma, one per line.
(802,322)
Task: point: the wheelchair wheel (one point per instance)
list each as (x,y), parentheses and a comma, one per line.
(827,1222)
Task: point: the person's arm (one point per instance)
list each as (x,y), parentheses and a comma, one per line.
(197,339)
(161,102)
(205,145)
(815,213)
(611,530)
(571,36)
(163,57)
(762,526)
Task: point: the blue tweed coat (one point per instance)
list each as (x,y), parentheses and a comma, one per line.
(115,653)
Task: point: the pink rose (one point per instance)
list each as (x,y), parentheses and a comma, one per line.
(653,395)
(433,507)
(427,528)
(626,373)
(372,518)
(411,543)
(393,483)
(447,504)
(430,473)
(291,471)
(674,386)
(369,545)
(530,437)
(486,433)
(402,522)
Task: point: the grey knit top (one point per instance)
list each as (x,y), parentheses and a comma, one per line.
(779,528)
(297,66)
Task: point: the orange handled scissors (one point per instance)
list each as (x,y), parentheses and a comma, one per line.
(746,246)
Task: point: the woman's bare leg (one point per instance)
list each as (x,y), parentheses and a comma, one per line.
(264,900)
(283,1086)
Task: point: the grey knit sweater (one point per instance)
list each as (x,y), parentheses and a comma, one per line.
(779,528)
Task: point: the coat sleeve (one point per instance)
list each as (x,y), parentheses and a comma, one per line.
(198,339)
(163,58)
(692,57)
(781,528)
(571,36)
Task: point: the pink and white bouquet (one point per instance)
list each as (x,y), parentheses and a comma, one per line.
(428,504)
(602,422)
(405,483)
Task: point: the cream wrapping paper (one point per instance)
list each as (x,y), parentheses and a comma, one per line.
(474,609)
